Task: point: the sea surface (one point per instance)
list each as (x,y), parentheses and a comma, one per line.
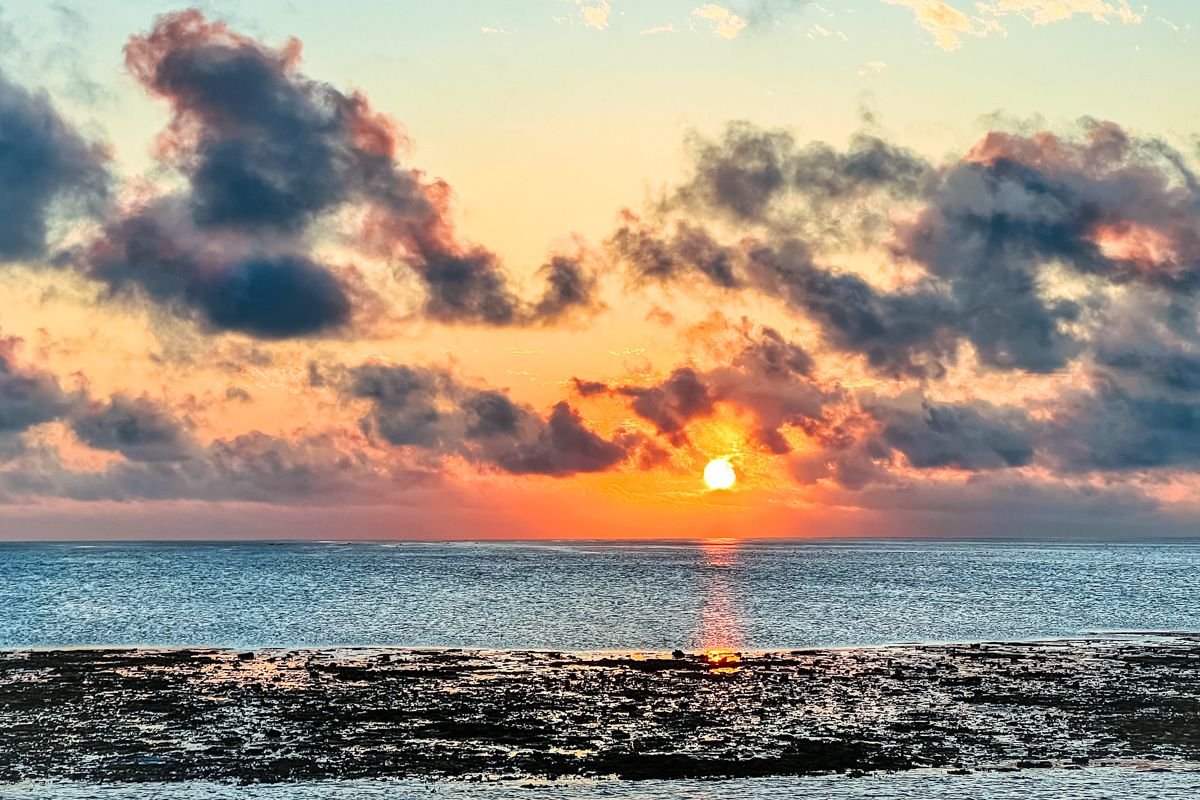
(1087,784)
(588,596)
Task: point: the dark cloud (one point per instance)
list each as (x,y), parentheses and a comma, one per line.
(468,287)
(772,379)
(690,249)
(748,169)
(589,388)
(869,164)
(901,333)
(965,436)
(253,467)
(998,504)
(851,468)
(491,414)
(864,449)
(271,296)
(675,402)
(775,356)
(562,446)
(741,173)
(988,230)
(404,401)
(1165,368)
(28,396)
(1113,429)
(271,469)
(569,287)
(263,146)
(44,165)
(431,410)
(268,155)
(1102,202)
(135,427)
(769,378)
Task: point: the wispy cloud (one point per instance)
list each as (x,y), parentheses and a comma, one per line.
(594,13)
(821,32)
(668,28)
(875,67)
(1043,12)
(949,24)
(725,23)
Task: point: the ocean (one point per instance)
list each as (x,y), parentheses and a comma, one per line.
(587,595)
(1085,784)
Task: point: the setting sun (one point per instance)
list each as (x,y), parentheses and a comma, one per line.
(719,474)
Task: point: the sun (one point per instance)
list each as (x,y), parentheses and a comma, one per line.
(719,474)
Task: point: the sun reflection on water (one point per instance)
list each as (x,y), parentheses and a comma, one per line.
(720,635)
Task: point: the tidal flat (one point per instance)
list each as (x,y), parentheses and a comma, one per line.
(279,716)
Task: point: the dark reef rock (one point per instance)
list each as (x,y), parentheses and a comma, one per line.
(167,715)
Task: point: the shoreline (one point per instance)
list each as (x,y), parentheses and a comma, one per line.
(282,715)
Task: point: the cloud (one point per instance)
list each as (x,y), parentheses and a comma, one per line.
(769,377)
(654,256)
(1103,203)
(45,167)
(570,287)
(28,396)
(987,231)
(1113,429)
(252,467)
(674,403)
(430,410)
(949,24)
(264,147)
(594,13)
(271,159)
(971,436)
(901,333)
(1044,12)
(820,32)
(770,13)
(224,284)
(274,298)
(724,22)
(135,427)
(1058,253)
(874,67)
(747,169)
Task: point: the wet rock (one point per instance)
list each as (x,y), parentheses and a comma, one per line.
(171,715)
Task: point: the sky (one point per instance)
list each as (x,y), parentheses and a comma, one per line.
(524,268)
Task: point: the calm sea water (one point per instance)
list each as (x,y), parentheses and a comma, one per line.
(1090,784)
(588,595)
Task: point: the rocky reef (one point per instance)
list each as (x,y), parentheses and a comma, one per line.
(275,716)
